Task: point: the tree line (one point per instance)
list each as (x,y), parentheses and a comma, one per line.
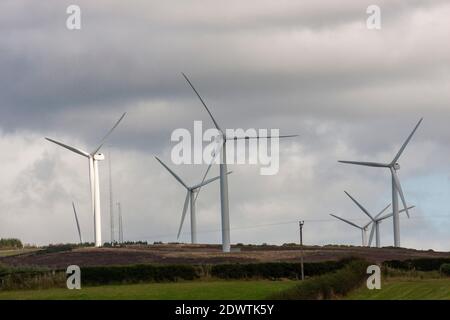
(10,243)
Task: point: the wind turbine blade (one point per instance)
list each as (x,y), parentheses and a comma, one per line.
(216,153)
(203,102)
(391,214)
(346,221)
(406,142)
(186,202)
(400,191)
(360,206)
(78,151)
(382,211)
(208,181)
(259,137)
(372,231)
(78,224)
(102,142)
(172,173)
(386,216)
(368,164)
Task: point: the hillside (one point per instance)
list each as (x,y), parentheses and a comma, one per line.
(208,254)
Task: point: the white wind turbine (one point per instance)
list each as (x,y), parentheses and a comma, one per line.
(362,228)
(222,140)
(94,158)
(376,226)
(376,220)
(190,200)
(393,166)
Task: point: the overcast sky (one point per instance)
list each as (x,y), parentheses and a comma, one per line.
(306,67)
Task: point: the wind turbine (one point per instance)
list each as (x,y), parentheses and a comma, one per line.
(362,228)
(222,148)
(375,219)
(78,224)
(94,157)
(393,166)
(376,226)
(190,200)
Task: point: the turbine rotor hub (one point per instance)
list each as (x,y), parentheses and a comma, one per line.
(396,166)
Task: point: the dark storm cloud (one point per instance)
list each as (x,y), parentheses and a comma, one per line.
(125,54)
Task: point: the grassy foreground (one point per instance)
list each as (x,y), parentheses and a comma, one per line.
(192,290)
(406,289)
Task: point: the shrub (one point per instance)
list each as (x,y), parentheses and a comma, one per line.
(445,269)
(327,286)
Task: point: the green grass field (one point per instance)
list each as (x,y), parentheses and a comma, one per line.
(208,290)
(15,252)
(405,289)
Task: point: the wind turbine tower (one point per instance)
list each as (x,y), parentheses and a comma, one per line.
(111,203)
(119,206)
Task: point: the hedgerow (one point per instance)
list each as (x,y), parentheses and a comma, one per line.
(327,286)
(422,264)
(137,273)
(12,278)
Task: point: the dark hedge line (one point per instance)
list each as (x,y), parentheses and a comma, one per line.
(12,278)
(328,286)
(55,249)
(422,264)
(136,274)
(276,270)
(162,273)
(103,275)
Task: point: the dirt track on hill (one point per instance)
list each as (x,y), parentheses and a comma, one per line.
(209,254)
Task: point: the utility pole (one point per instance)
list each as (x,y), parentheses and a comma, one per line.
(120,223)
(301,223)
(111,203)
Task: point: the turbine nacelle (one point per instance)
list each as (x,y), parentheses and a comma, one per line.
(99,157)
(396,166)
